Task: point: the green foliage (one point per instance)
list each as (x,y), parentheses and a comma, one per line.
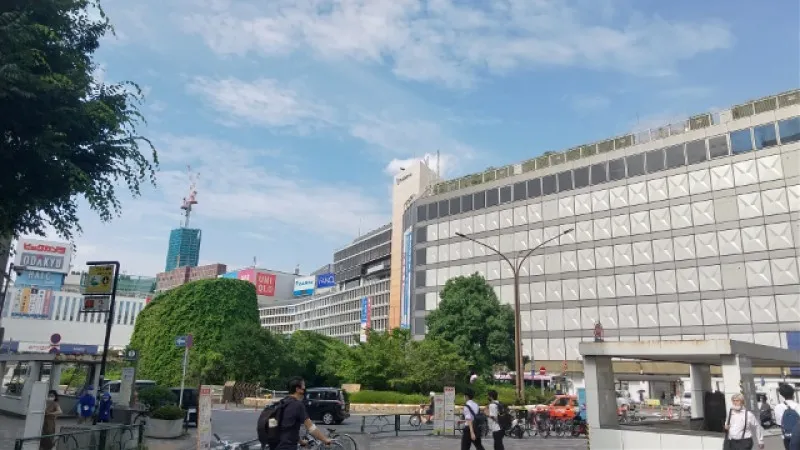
(229,343)
(319,359)
(432,364)
(505,394)
(471,317)
(66,135)
(379,363)
(388,398)
(168,412)
(155,397)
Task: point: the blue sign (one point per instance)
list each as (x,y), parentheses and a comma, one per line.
(326,280)
(43,280)
(76,349)
(232,275)
(364,312)
(793,343)
(183,341)
(405,281)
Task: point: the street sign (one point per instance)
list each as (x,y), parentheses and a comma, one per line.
(204,419)
(100,280)
(131,355)
(96,304)
(180,341)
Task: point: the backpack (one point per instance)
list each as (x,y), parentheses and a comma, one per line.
(503,416)
(268,427)
(789,420)
(478,420)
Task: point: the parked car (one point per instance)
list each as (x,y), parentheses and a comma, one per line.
(328,405)
(189,404)
(113,388)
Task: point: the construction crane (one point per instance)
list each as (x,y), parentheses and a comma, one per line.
(191,200)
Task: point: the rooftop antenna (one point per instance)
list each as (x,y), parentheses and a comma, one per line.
(255,264)
(438,159)
(191,200)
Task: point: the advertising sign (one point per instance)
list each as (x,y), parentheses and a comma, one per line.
(247,275)
(43,280)
(304,286)
(265,284)
(326,280)
(44,256)
(234,275)
(99,281)
(405,280)
(204,419)
(126,385)
(31,303)
(366,317)
(449,409)
(438,413)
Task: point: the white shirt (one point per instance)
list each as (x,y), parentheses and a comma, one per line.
(472,378)
(469,407)
(738,425)
(780,408)
(493,413)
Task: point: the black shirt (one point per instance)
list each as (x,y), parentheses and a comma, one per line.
(293,417)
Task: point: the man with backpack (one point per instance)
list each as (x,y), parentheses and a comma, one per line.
(787,413)
(279,423)
(475,423)
(499,420)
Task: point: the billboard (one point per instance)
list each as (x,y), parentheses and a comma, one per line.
(405,280)
(247,275)
(44,256)
(36,278)
(304,286)
(234,275)
(326,280)
(31,303)
(366,317)
(265,284)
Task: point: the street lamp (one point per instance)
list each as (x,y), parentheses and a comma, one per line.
(515,267)
(6,281)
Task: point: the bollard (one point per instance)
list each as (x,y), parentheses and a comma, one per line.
(363,423)
(397,425)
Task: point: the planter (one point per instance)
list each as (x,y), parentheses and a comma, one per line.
(163,429)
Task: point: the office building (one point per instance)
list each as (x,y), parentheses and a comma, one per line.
(365,258)
(183,249)
(688,231)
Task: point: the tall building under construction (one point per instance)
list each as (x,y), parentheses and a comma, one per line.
(184,248)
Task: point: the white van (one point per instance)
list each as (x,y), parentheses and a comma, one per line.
(113,388)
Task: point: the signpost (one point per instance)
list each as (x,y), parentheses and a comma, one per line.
(438,414)
(185,342)
(204,418)
(449,409)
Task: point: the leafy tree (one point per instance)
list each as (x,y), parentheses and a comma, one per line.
(317,358)
(471,317)
(222,316)
(64,135)
(432,364)
(379,364)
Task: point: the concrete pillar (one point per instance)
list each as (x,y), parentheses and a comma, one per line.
(34,417)
(700,383)
(601,399)
(34,369)
(55,376)
(737,376)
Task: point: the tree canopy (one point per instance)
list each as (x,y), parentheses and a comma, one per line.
(471,318)
(64,135)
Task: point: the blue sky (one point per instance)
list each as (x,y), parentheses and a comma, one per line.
(296,113)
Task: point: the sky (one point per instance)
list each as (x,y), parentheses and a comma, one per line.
(297,113)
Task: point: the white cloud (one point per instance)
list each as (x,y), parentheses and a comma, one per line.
(452,43)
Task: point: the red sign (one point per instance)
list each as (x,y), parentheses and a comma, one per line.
(265,284)
(246,275)
(542,371)
(44,248)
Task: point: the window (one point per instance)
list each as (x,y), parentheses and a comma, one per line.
(444,208)
(616,169)
(765,136)
(717,146)
(599,174)
(675,156)
(422,213)
(505,194)
(635,165)
(520,191)
(581,177)
(480,200)
(433,210)
(696,151)
(741,141)
(466,203)
(114,387)
(492,197)
(455,205)
(549,185)
(789,130)
(534,188)
(565,181)
(654,160)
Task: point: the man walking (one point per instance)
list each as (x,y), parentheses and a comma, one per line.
(293,416)
(494,421)
(787,413)
(471,433)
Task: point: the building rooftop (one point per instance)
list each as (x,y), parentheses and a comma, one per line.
(549,159)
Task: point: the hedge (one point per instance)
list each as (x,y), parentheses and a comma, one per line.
(388,398)
(506,394)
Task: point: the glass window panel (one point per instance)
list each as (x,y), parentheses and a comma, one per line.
(718,146)
(480,200)
(696,151)
(599,174)
(635,165)
(505,194)
(455,205)
(433,211)
(789,130)
(616,169)
(422,213)
(466,203)
(765,136)
(565,181)
(675,156)
(549,185)
(444,208)
(492,197)
(655,160)
(520,191)
(534,188)
(741,141)
(581,176)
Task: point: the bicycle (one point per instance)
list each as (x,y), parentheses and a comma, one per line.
(227,445)
(338,442)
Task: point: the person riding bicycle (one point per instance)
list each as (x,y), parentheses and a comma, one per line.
(431,409)
(294,415)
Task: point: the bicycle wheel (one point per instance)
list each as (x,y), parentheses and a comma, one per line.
(415,420)
(347,442)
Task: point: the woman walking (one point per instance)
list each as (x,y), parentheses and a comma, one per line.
(51,412)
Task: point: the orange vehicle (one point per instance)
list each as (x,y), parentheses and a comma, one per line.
(564,407)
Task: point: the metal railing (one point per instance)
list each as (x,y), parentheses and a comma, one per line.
(88,437)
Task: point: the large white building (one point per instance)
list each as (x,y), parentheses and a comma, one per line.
(689,231)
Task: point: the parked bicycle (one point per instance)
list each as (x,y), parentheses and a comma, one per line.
(338,442)
(228,445)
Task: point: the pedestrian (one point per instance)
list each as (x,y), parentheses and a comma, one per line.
(86,404)
(794,442)
(292,415)
(787,413)
(494,421)
(105,409)
(470,435)
(741,426)
(51,412)
(473,377)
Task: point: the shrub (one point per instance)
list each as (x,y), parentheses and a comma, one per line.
(388,397)
(168,412)
(155,397)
